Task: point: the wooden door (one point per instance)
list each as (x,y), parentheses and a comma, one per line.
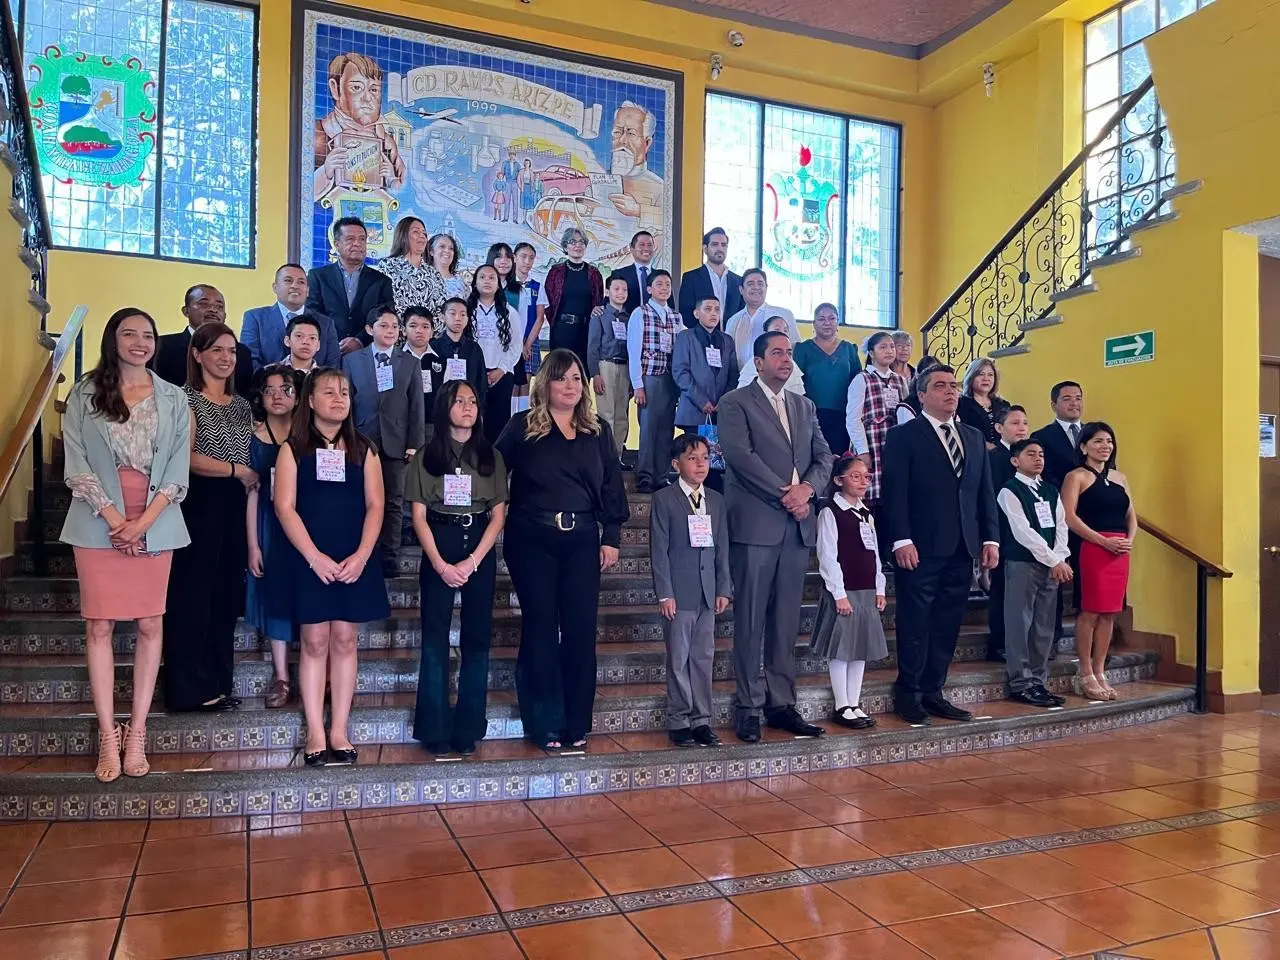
(1269,533)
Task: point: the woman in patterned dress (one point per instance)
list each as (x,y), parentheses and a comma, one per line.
(414,281)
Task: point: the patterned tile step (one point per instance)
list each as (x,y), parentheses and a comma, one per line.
(258,793)
(39,729)
(64,679)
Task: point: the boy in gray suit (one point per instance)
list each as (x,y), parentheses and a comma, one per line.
(689,553)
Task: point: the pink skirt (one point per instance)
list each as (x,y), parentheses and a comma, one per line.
(114,586)
(1104,577)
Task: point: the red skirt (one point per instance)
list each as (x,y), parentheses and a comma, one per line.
(1104,577)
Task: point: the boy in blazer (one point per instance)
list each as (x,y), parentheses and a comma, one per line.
(705,368)
(386,395)
(689,554)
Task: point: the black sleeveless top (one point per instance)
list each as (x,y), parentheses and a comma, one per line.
(1104,506)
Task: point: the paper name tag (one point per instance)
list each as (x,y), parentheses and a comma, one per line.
(619,330)
(457,489)
(426,381)
(713,357)
(385,375)
(868,536)
(331,465)
(700,531)
(664,342)
(271,489)
(455,368)
(486,328)
(1044,516)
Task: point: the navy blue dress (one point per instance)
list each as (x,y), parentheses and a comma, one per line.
(333,514)
(257,604)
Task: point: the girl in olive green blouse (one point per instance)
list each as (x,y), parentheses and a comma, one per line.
(457,485)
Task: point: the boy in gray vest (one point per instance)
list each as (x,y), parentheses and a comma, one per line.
(1034,551)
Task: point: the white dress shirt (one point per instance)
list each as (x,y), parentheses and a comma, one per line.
(635,339)
(496,356)
(718,281)
(828,549)
(1023,532)
(701,509)
(778,401)
(1066,426)
(745,325)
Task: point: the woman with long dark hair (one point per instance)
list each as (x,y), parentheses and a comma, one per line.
(329,500)
(458,487)
(127,442)
(490,316)
(207,586)
(980,400)
(563,530)
(414,281)
(445,254)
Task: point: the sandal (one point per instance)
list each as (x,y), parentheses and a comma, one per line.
(135,755)
(1086,685)
(1107,688)
(277,694)
(108,768)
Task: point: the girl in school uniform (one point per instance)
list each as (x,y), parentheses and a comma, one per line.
(491,322)
(847,629)
(874,397)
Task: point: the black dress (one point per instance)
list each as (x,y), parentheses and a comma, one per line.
(970,411)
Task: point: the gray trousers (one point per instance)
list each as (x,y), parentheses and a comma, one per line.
(1030,609)
(657,428)
(691,648)
(768,587)
(393,512)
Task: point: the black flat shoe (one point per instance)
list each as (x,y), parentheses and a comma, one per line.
(914,714)
(439,747)
(848,718)
(235,702)
(464,748)
(944,708)
(221,705)
(348,756)
(704,736)
(682,737)
(316,759)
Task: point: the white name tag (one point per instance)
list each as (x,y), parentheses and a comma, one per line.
(457,490)
(426,381)
(1044,516)
(713,357)
(455,368)
(619,330)
(700,531)
(331,465)
(664,342)
(486,328)
(271,489)
(385,375)
(868,536)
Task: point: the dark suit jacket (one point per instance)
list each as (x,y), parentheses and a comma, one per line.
(170,361)
(637,294)
(699,382)
(1059,456)
(263,333)
(327,294)
(697,283)
(394,419)
(682,572)
(1001,466)
(926,504)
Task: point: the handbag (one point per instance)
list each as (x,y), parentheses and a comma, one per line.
(711,433)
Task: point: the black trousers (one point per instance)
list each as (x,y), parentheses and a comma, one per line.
(556,575)
(832,423)
(432,720)
(931,602)
(497,405)
(995,613)
(206,595)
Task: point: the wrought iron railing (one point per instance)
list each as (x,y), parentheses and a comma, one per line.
(18,153)
(1116,182)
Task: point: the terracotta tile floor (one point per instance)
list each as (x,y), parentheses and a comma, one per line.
(1158,842)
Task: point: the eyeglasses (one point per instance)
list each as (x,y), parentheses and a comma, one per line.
(277,391)
(577,242)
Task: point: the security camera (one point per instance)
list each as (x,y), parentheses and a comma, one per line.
(717,66)
(736,38)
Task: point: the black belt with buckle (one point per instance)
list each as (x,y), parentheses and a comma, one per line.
(453,519)
(562,520)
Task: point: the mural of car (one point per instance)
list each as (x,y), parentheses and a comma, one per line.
(559,179)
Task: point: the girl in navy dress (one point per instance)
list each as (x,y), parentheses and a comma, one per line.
(329,500)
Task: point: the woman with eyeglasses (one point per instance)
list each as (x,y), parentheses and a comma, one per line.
(564,526)
(575,294)
(275,388)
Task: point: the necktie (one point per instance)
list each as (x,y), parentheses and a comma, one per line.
(383,359)
(640,271)
(1075,435)
(953,449)
(696,499)
(289,316)
(780,408)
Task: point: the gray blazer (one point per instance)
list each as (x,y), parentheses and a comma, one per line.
(759,459)
(87,449)
(698,381)
(395,420)
(679,570)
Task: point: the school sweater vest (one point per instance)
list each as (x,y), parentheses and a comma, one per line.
(857,563)
(1010,548)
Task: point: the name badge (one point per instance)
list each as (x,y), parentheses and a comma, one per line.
(331,465)
(1044,516)
(426,381)
(619,330)
(713,357)
(664,342)
(457,490)
(455,368)
(486,328)
(868,536)
(700,531)
(386,377)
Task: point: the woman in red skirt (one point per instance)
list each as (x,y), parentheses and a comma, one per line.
(1100,512)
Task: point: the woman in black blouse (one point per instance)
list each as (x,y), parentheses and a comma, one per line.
(980,400)
(575,294)
(207,583)
(566,510)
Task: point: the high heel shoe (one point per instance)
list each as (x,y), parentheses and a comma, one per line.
(1086,685)
(135,756)
(1107,688)
(108,769)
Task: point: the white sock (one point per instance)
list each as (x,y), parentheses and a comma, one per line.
(839,682)
(855,669)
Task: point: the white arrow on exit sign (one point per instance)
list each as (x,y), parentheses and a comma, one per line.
(1129,348)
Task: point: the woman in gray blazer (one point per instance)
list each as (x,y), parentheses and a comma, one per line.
(127,438)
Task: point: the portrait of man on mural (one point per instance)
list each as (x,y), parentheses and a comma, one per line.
(642,189)
(352,147)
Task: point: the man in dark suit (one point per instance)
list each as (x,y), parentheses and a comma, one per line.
(264,328)
(776,461)
(1059,440)
(712,279)
(201,305)
(348,289)
(1012,426)
(637,272)
(940,515)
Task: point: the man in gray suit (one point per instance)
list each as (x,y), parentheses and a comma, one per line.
(689,552)
(777,460)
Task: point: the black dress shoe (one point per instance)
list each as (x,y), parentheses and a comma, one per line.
(848,718)
(1033,696)
(1057,700)
(748,729)
(913,713)
(438,747)
(348,756)
(233,702)
(220,705)
(464,748)
(944,708)
(705,736)
(789,719)
(682,737)
(316,759)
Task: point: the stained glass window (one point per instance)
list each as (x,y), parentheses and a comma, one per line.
(812,197)
(144,115)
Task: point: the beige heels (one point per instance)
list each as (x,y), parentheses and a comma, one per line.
(108,768)
(135,755)
(1087,685)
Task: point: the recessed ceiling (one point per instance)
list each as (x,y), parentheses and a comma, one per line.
(904,27)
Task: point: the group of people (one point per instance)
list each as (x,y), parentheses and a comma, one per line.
(266,474)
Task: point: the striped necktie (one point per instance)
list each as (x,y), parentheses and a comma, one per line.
(953,449)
